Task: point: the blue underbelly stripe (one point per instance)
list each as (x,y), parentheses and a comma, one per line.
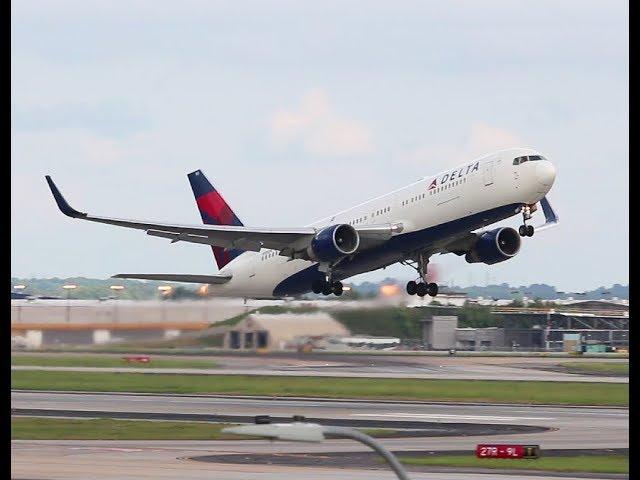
(394,250)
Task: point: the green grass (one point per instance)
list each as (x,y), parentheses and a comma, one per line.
(559,393)
(58,360)
(597,367)
(29,428)
(33,428)
(579,463)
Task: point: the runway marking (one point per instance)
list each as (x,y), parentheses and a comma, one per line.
(448,416)
(109,449)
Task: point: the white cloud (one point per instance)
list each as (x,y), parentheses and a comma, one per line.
(319,129)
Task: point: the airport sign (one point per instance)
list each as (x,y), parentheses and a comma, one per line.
(507,451)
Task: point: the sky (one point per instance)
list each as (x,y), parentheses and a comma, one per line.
(296,110)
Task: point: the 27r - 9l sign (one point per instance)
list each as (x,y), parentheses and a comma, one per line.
(507,451)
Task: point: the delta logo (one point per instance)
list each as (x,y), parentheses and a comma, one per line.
(455,175)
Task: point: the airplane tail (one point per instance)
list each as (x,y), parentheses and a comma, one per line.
(214,211)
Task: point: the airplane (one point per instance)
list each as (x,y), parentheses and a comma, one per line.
(438,214)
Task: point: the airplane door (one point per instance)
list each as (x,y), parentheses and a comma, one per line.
(487,173)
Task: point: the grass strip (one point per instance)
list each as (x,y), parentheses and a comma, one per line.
(496,391)
(106,361)
(32,428)
(35,428)
(597,367)
(578,463)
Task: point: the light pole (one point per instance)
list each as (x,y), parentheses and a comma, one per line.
(68,289)
(19,288)
(165,291)
(117,289)
(313,432)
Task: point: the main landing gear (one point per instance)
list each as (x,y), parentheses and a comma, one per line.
(526,230)
(326,287)
(420,287)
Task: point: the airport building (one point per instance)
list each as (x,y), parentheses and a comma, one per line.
(283,331)
(591,326)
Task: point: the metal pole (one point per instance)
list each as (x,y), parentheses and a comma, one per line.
(547,331)
(354,434)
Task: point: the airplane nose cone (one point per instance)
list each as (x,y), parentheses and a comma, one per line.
(546,173)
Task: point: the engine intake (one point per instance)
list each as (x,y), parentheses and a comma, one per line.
(495,246)
(334,242)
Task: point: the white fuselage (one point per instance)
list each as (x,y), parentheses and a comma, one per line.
(478,186)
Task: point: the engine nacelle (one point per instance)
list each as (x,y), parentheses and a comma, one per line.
(495,246)
(334,242)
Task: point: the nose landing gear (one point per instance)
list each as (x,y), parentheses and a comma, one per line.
(526,230)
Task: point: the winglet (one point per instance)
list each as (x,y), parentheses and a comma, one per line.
(550,216)
(63,205)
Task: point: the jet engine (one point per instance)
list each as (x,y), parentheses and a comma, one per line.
(334,242)
(495,246)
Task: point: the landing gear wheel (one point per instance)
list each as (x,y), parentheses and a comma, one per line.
(522,230)
(432,289)
(421,289)
(317,286)
(530,230)
(326,289)
(336,288)
(412,287)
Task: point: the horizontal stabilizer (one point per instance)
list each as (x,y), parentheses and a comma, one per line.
(177,277)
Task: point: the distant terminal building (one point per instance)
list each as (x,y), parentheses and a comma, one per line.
(522,329)
(283,331)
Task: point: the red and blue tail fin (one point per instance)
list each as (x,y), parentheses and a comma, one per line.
(214,211)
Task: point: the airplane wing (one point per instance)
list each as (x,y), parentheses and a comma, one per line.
(177,277)
(290,242)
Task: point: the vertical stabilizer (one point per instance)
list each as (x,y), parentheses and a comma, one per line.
(214,211)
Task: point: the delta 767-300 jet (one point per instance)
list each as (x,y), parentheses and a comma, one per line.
(435,215)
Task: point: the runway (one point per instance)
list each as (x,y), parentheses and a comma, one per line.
(573,427)
(110,461)
(570,428)
(369,366)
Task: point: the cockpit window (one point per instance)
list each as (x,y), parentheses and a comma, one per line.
(530,158)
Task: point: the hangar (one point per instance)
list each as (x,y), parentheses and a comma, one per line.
(278,332)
